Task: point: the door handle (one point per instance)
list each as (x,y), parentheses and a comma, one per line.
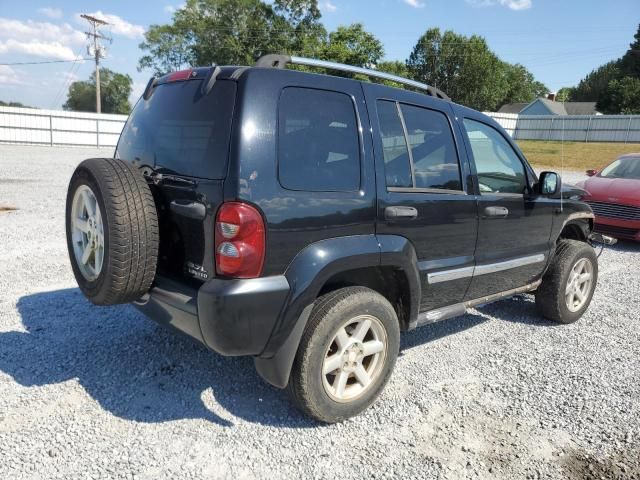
(391,213)
(496,212)
(188,209)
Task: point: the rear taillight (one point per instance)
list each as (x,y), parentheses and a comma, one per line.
(239,241)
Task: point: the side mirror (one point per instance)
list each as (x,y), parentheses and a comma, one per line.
(550,183)
(591,172)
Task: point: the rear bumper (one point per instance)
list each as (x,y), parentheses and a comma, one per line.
(232,317)
(622,229)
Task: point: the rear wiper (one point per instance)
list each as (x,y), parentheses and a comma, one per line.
(159,178)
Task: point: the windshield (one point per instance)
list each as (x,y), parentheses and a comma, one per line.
(179,130)
(623,168)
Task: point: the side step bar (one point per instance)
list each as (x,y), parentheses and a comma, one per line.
(433,316)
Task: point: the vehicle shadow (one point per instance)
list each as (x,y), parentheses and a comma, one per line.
(133,368)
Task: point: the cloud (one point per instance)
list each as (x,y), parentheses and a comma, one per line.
(8,76)
(41,39)
(329,7)
(117,25)
(414,3)
(55,13)
(53,50)
(512,4)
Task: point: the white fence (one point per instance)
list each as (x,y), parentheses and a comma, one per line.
(57,127)
(573,128)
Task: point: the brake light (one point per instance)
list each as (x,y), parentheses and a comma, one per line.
(179,75)
(239,241)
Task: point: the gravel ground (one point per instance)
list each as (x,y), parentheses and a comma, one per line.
(90,392)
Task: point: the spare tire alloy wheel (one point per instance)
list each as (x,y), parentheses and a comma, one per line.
(87,233)
(112,231)
(579,284)
(355,358)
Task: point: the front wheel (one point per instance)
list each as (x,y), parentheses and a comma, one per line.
(568,286)
(346,354)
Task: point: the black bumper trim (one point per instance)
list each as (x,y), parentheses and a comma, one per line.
(231,317)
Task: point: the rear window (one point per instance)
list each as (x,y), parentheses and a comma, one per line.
(318,143)
(178,130)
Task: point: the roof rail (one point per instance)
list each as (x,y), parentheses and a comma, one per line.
(281,61)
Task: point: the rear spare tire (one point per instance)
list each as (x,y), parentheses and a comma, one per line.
(112,231)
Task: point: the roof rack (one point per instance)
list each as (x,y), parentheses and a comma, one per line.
(281,61)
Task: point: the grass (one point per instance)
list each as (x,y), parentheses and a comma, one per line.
(577,155)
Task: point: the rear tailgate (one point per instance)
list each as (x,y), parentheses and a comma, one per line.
(179,136)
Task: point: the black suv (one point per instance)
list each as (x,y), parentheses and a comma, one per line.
(307,219)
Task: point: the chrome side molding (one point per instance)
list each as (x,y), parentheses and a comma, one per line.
(457,273)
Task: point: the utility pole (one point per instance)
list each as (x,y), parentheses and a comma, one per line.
(97,50)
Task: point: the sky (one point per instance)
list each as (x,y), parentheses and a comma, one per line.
(559,41)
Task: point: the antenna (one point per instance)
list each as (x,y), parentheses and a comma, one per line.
(96,50)
(562,160)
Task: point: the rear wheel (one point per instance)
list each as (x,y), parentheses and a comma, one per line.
(568,286)
(346,354)
(112,231)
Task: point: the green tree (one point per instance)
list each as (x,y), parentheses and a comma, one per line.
(168,48)
(622,96)
(522,87)
(564,94)
(630,62)
(353,45)
(13,104)
(593,87)
(468,71)
(115,89)
(232,32)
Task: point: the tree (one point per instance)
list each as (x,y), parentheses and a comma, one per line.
(564,94)
(13,104)
(469,72)
(168,48)
(232,32)
(522,87)
(594,86)
(630,62)
(354,46)
(115,89)
(622,96)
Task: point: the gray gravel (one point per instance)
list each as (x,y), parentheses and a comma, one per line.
(88,392)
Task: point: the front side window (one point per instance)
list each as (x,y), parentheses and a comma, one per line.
(318,141)
(498,167)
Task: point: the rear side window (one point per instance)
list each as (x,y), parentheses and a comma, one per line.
(435,160)
(394,146)
(418,148)
(318,143)
(178,130)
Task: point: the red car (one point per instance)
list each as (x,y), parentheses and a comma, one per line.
(614,195)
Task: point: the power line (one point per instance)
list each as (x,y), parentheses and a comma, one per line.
(47,62)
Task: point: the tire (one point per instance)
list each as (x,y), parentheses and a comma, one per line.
(319,395)
(122,233)
(551,297)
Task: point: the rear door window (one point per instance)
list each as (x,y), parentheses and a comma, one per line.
(435,160)
(318,141)
(180,130)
